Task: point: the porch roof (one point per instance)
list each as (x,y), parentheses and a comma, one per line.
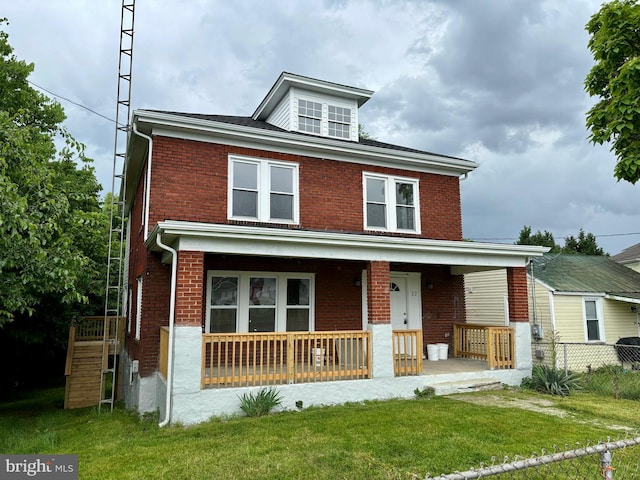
(463,257)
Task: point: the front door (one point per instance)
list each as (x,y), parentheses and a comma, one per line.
(399,313)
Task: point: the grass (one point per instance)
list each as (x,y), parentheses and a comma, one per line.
(374,440)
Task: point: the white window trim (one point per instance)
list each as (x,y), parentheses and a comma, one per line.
(390,202)
(264,190)
(324,119)
(242,320)
(138,307)
(599,313)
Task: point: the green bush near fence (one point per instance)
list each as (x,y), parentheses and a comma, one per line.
(613,381)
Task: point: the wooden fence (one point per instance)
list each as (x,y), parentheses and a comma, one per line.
(407,352)
(248,359)
(481,342)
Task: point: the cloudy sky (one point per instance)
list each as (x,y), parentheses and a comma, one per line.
(499,82)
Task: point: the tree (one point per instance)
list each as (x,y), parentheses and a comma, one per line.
(53,228)
(584,244)
(542,239)
(615,79)
(48,206)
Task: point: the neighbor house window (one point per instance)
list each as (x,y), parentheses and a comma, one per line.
(593,320)
(391,203)
(263,190)
(259,302)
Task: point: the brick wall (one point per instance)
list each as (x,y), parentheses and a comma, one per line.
(518,295)
(379,300)
(190,288)
(338,300)
(190,182)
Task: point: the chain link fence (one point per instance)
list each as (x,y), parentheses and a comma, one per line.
(618,459)
(604,369)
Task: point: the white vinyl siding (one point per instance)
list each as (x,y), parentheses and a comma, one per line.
(486,297)
(263,190)
(281,115)
(259,302)
(621,321)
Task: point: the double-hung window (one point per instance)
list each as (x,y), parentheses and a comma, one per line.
(263,190)
(324,118)
(309,116)
(259,302)
(593,320)
(339,122)
(391,203)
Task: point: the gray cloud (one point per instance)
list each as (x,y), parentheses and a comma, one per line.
(496,81)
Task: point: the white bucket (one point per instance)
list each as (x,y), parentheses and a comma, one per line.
(443,351)
(432,352)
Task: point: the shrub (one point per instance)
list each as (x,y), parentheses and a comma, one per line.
(426,392)
(552,380)
(260,403)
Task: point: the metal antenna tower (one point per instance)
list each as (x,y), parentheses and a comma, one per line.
(113,304)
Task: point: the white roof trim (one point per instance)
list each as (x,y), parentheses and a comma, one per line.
(621,298)
(247,240)
(288,80)
(178,126)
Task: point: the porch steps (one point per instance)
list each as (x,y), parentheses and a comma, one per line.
(84,371)
(467,386)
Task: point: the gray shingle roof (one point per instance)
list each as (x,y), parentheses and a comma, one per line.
(628,254)
(587,274)
(260,124)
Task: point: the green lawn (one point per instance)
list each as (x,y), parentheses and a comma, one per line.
(375,440)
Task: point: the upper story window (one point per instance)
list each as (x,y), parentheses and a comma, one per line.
(309,116)
(391,203)
(324,119)
(339,122)
(263,190)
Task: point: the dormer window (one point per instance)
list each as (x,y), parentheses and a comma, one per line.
(324,119)
(339,122)
(309,116)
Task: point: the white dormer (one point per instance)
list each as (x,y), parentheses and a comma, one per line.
(306,105)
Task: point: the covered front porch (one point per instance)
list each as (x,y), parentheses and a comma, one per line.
(314,315)
(264,359)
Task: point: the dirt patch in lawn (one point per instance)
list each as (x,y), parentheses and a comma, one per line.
(539,405)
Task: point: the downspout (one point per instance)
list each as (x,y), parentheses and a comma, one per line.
(172,317)
(147,180)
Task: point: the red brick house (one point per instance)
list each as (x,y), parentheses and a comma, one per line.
(281,249)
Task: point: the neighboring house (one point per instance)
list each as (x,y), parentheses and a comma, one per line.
(629,257)
(583,299)
(281,249)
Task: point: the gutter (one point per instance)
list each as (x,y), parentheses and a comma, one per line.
(172,317)
(147,179)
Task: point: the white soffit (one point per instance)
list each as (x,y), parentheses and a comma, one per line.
(246,240)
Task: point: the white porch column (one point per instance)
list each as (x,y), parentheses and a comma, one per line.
(522,332)
(382,350)
(187,360)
